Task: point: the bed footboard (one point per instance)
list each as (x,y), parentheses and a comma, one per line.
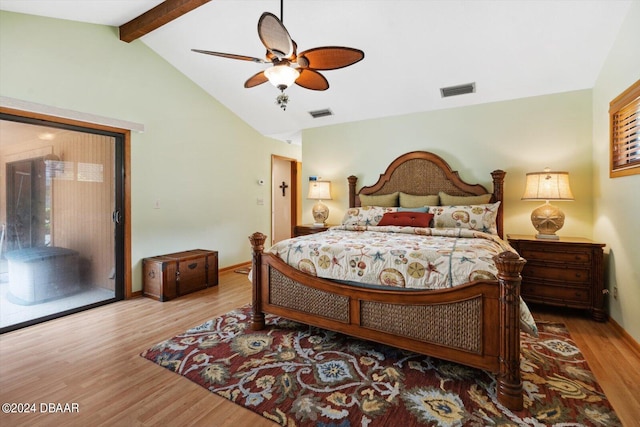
(509,389)
(475,324)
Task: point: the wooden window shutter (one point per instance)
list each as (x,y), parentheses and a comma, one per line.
(624,115)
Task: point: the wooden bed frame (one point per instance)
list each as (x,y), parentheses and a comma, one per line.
(475,324)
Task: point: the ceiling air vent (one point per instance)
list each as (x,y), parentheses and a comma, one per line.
(321,113)
(458,90)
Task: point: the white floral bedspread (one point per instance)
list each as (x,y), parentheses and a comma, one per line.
(405,257)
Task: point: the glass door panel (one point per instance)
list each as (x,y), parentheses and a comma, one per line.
(58,241)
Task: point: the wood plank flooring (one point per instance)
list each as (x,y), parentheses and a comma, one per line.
(92,359)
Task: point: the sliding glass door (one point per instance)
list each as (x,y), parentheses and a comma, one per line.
(61,234)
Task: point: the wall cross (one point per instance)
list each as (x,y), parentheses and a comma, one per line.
(284,186)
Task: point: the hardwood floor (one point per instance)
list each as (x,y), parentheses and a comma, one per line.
(92,359)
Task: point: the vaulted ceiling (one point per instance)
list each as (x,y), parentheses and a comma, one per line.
(509,49)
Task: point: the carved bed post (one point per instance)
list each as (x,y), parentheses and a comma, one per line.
(509,388)
(498,195)
(352,190)
(257,317)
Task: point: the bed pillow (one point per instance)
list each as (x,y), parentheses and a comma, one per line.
(366,215)
(384,200)
(422,209)
(472,217)
(407,219)
(448,200)
(414,201)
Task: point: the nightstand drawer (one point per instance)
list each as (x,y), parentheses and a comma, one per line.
(556,256)
(544,293)
(557,274)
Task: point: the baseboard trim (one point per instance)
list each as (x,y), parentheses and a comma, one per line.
(625,336)
(235,267)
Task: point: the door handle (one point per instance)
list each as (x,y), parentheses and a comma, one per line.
(116,217)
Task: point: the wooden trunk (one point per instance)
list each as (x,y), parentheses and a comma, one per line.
(172,275)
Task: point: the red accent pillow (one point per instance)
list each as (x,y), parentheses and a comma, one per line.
(409,219)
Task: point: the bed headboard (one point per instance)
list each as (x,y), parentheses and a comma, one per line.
(424,173)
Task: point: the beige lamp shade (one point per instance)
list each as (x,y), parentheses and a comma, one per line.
(547,185)
(319,190)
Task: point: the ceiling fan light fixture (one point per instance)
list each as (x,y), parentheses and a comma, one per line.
(281,76)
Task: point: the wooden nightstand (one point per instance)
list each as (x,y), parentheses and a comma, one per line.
(566,272)
(304,229)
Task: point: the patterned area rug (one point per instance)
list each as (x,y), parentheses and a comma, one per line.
(298,375)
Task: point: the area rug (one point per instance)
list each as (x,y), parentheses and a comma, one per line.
(298,375)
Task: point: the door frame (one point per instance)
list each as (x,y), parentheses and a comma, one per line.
(295,168)
(123,192)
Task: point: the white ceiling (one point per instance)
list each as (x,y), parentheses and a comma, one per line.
(509,48)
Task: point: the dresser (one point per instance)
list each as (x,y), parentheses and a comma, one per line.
(567,272)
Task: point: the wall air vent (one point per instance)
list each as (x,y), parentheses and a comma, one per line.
(321,113)
(458,90)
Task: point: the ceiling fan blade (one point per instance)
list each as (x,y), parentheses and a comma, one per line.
(274,36)
(329,57)
(230,56)
(311,79)
(256,79)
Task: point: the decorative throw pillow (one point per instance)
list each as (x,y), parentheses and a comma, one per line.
(472,217)
(422,209)
(447,200)
(407,219)
(366,215)
(384,200)
(415,201)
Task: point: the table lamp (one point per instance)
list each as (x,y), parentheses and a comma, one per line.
(547,185)
(320,190)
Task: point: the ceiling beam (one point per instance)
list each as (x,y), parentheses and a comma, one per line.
(155,18)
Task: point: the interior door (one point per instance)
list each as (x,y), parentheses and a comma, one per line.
(284,197)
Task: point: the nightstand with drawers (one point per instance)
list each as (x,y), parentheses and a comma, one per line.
(303,230)
(567,272)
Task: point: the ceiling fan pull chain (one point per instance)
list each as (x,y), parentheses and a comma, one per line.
(282,100)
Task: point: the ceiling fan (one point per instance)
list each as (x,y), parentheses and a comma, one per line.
(288,66)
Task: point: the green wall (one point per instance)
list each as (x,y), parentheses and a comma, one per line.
(520,136)
(617,200)
(196,158)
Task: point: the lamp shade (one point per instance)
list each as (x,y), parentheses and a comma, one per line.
(320,190)
(547,185)
(281,76)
